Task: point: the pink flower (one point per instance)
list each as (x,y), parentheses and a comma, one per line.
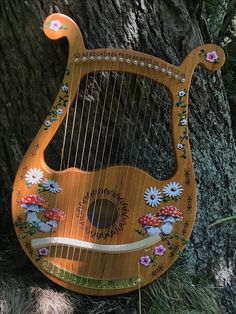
(55,25)
(159,250)
(145,260)
(212,57)
(43,251)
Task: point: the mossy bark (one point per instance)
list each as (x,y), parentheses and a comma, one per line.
(32,68)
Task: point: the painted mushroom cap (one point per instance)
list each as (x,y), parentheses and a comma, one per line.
(171,211)
(149,220)
(33,199)
(54,214)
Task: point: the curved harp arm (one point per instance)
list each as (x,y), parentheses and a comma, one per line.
(58,25)
(211,57)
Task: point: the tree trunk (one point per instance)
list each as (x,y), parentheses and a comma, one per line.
(32,68)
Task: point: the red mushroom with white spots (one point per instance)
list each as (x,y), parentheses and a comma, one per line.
(33,204)
(169,215)
(151,224)
(55,215)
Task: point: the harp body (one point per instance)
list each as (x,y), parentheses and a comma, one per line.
(59,216)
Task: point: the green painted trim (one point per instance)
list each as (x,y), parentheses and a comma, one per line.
(87,282)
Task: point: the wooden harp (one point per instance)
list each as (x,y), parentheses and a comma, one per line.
(116,228)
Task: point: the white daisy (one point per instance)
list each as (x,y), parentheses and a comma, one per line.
(183,122)
(180,146)
(55,25)
(65,88)
(51,186)
(47,123)
(182,93)
(33,176)
(59,111)
(152,196)
(173,189)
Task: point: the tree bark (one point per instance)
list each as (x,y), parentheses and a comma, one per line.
(32,68)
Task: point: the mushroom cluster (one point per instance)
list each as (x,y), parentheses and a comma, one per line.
(163,222)
(151,224)
(33,204)
(169,215)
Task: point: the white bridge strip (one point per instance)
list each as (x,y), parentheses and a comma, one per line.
(103,248)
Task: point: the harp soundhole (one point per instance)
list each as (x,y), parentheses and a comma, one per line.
(102,213)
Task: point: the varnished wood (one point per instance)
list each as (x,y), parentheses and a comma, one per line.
(128,183)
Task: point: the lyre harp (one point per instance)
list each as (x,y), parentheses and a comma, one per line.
(151,219)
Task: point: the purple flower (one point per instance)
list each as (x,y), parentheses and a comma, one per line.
(212,57)
(159,250)
(145,260)
(43,251)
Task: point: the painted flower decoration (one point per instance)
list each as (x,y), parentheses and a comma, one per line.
(33,176)
(173,189)
(59,111)
(43,252)
(54,214)
(152,196)
(145,260)
(212,57)
(182,93)
(159,250)
(51,186)
(180,146)
(65,88)
(47,123)
(33,199)
(183,122)
(55,25)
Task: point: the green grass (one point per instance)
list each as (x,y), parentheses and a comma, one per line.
(178,292)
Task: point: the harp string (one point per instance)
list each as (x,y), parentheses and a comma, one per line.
(122,122)
(61,162)
(81,162)
(68,160)
(111,146)
(149,125)
(92,254)
(95,159)
(72,130)
(161,129)
(79,132)
(113,131)
(130,124)
(131,117)
(103,152)
(123,118)
(116,118)
(79,139)
(68,164)
(90,150)
(87,122)
(86,96)
(141,126)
